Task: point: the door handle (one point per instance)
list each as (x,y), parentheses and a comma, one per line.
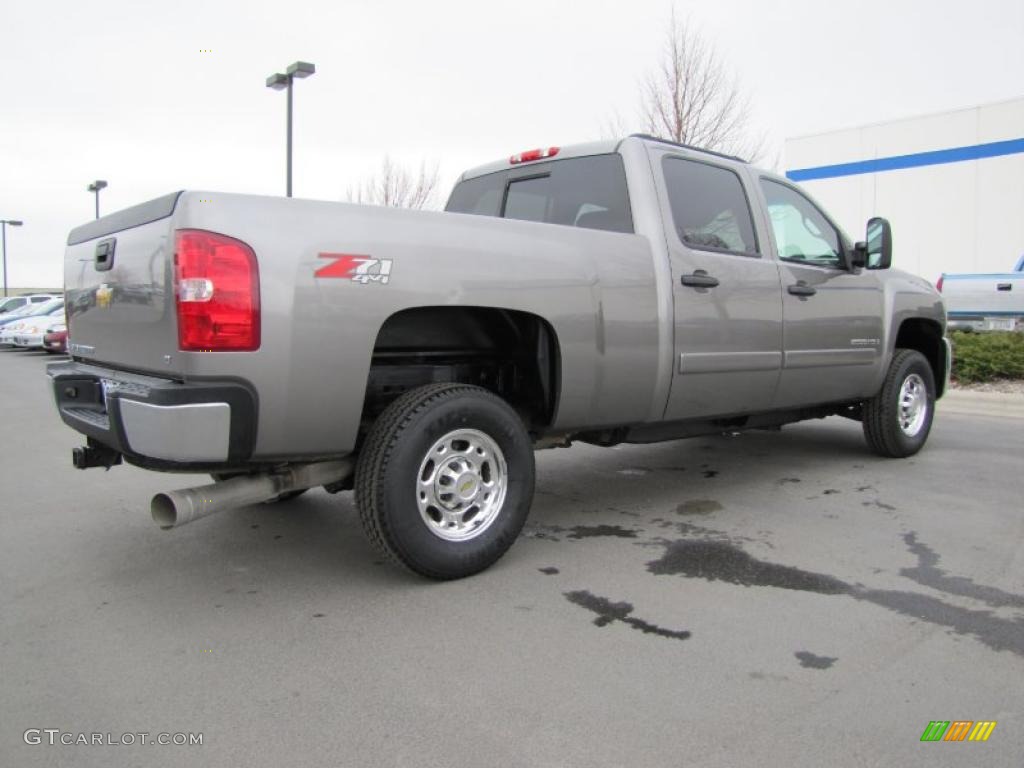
(1004,286)
(802,289)
(104,256)
(699,279)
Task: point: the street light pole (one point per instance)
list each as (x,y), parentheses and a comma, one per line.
(279,81)
(289,141)
(95,187)
(3,229)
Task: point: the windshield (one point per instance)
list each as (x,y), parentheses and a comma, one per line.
(22,311)
(46,308)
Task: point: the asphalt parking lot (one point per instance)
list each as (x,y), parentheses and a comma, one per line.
(768,599)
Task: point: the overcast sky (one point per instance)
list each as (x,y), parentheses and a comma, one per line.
(125,91)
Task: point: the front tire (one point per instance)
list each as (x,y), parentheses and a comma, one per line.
(445,480)
(898,419)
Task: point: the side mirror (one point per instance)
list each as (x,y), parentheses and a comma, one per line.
(879,244)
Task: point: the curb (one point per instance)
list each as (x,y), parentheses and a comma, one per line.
(992,404)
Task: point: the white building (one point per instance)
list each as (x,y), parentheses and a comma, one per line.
(951,184)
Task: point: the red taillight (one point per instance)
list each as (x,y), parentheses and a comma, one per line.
(533,154)
(217,292)
(938,284)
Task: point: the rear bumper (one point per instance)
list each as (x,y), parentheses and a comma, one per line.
(28,340)
(158,423)
(56,342)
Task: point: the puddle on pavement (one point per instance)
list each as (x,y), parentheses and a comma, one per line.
(597,531)
(607,612)
(698,507)
(811,661)
(928,574)
(724,561)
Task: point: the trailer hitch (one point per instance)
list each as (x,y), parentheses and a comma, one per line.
(94,455)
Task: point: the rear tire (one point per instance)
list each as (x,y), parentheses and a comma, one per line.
(898,419)
(445,480)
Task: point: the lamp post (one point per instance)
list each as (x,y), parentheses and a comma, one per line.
(3,228)
(95,187)
(279,82)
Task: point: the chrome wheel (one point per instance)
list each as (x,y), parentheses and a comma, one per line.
(913,405)
(461,485)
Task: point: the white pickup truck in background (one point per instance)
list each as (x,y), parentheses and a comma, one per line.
(985,302)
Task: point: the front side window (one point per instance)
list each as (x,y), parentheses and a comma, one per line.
(588,192)
(709,207)
(802,233)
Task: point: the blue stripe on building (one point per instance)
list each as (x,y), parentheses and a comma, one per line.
(983,313)
(986,276)
(898,162)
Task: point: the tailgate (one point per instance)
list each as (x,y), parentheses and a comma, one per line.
(118,286)
(983,295)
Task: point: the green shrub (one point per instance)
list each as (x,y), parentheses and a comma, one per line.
(987,356)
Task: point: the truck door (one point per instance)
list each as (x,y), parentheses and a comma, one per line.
(726,292)
(832,315)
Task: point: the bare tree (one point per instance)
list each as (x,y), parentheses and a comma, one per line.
(692,98)
(397,187)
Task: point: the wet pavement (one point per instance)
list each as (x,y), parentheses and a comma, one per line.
(773,598)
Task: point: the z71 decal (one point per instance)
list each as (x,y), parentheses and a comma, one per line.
(358,269)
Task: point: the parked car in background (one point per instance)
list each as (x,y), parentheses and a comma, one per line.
(11,326)
(13,303)
(23,311)
(985,302)
(31,331)
(56,341)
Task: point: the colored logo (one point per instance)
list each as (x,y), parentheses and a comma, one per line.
(358,269)
(103,295)
(958,730)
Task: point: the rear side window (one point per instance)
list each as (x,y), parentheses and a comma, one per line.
(588,192)
(710,210)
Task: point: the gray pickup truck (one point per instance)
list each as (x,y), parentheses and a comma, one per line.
(625,291)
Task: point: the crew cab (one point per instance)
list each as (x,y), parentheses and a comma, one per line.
(622,291)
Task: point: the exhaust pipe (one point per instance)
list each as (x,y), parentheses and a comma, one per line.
(175,508)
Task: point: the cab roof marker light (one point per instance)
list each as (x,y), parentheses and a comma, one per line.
(533,154)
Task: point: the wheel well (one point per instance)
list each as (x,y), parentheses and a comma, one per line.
(511,353)
(926,337)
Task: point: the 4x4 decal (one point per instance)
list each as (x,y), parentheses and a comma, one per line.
(358,269)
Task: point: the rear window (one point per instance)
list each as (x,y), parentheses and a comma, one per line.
(709,207)
(587,192)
